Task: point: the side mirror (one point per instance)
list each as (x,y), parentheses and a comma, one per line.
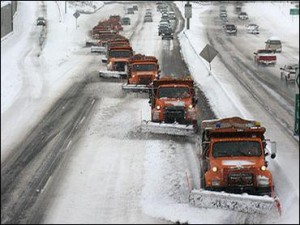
(104,60)
(273,149)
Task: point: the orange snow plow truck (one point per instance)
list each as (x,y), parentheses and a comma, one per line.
(234,171)
(174,108)
(141,72)
(117,62)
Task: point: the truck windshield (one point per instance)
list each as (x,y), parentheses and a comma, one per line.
(120,54)
(174,92)
(144,67)
(236,148)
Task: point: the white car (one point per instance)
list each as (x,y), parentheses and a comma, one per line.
(288,72)
(252,28)
(243,16)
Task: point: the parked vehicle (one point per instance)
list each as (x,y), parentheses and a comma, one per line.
(265,56)
(274,44)
(288,72)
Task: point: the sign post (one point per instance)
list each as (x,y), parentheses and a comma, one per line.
(76,15)
(208,53)
(188,13)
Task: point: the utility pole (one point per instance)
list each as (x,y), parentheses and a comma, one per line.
(65,7)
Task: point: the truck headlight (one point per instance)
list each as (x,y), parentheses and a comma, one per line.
(214,169)
(158,107)
(262,180)
(190,106)
(263,168)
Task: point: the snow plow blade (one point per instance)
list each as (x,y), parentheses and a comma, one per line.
(167,128)
(113,74)
(135,87)
(236,202)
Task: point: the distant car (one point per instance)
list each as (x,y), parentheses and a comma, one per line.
(41,21)
(288,72)
(274,43)
(167,34)
(172,15)
(163,28)
(135,7)
(148,18)
(125,21)
(223,15)
(252,28)
(265,57)
(243,16)
(130,11)
(230,29)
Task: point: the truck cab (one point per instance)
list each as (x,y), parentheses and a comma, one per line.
(173,101)
(118,57)
(143,69)
(233,157)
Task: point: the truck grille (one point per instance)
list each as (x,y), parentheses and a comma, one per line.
(240,179)
(120,66)
(145,80)
(175,113)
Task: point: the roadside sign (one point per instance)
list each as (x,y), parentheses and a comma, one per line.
(208,53)
(294,11)
(76,14)
(188,10)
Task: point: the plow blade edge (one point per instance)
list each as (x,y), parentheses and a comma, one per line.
(135,87)
(236,202)
(166,128)
(113,74)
